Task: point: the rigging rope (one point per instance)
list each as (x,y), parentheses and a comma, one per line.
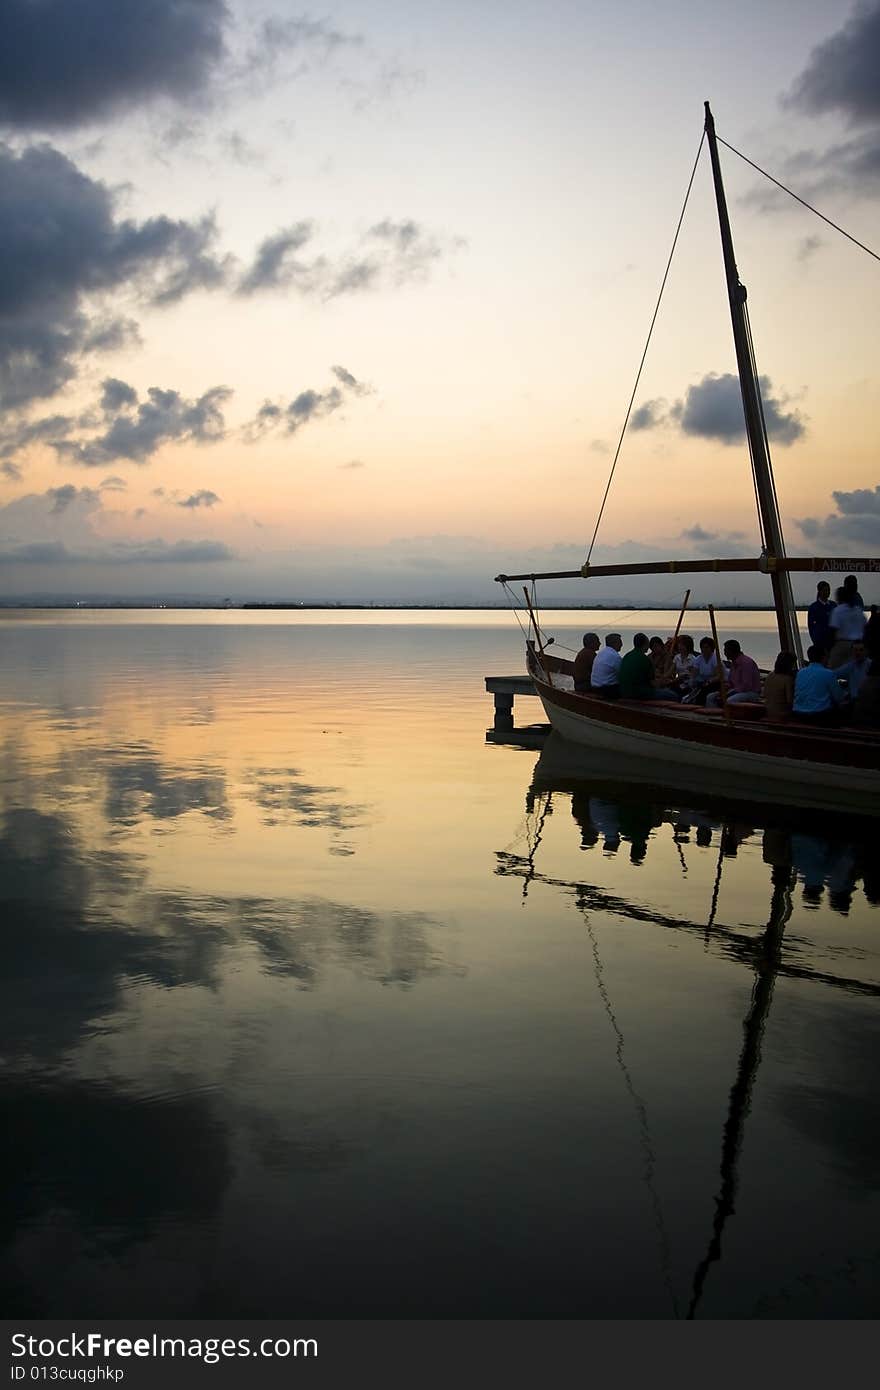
(861,245)
(645,352)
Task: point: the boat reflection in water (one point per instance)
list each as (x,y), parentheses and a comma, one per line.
(811,871)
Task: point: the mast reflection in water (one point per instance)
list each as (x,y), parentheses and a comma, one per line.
(796,847)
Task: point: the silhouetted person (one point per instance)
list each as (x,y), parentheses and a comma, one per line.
(743,678)
(583,662)
(606,668)
(817,694)
(819,616)
(779,688)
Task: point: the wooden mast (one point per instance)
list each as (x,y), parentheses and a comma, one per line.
(771,526)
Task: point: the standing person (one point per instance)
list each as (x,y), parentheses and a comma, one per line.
(637,676)
(603,677)
(817,694)
(847,624)
(743,678)
(819,616)
(583,662)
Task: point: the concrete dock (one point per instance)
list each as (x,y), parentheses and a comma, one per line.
(504,688)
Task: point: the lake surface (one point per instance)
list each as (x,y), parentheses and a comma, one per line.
(316,1004)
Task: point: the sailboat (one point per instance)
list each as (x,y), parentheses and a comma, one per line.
(734,740)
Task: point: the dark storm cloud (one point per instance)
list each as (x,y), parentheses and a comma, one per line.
(137,434)
(856,521)
(63,64)
(203,498)
(307,406)
(841,74)
(713,410)
(61,246)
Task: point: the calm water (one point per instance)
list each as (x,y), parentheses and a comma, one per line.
(314,1003)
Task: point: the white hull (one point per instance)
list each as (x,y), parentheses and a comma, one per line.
(757,774)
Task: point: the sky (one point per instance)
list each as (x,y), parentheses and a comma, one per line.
(347,304)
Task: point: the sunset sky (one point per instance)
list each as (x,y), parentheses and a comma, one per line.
(347,304)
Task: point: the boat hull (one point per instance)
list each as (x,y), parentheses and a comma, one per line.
(783,760)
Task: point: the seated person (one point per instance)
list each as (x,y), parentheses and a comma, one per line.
(660,653)
(705,676)
(583,662)
(817,693)
(743,678)
(866,709)
(684,664)
(855,670)
(636,676)
(779,687)
(606,666)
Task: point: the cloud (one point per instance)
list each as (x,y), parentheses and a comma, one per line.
(116,394)
(647,415)
(155,552)
(67,494)
(840,78)
(841,74)
(63,65)
(351,383)
(113,485)
(138,432)
(309,405)
(274,265)
(713,410)
(855,523)
(11,471)
(353,463)
(276,36)
(61,249)
(391,253)
(717,542)
(203,498)
(19,435)
(808,246)
(388,256)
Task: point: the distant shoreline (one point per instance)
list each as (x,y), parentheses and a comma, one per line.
(154,607)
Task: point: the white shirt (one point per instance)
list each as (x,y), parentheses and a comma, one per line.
(848,623)
(605,668)
(685,666)
(706,670)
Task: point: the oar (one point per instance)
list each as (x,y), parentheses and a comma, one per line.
(722,683)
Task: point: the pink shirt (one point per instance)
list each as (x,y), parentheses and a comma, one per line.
(744,677)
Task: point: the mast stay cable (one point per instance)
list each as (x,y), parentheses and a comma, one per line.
(861,245)
(647,345)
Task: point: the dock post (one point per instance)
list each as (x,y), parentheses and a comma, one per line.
(503,711)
